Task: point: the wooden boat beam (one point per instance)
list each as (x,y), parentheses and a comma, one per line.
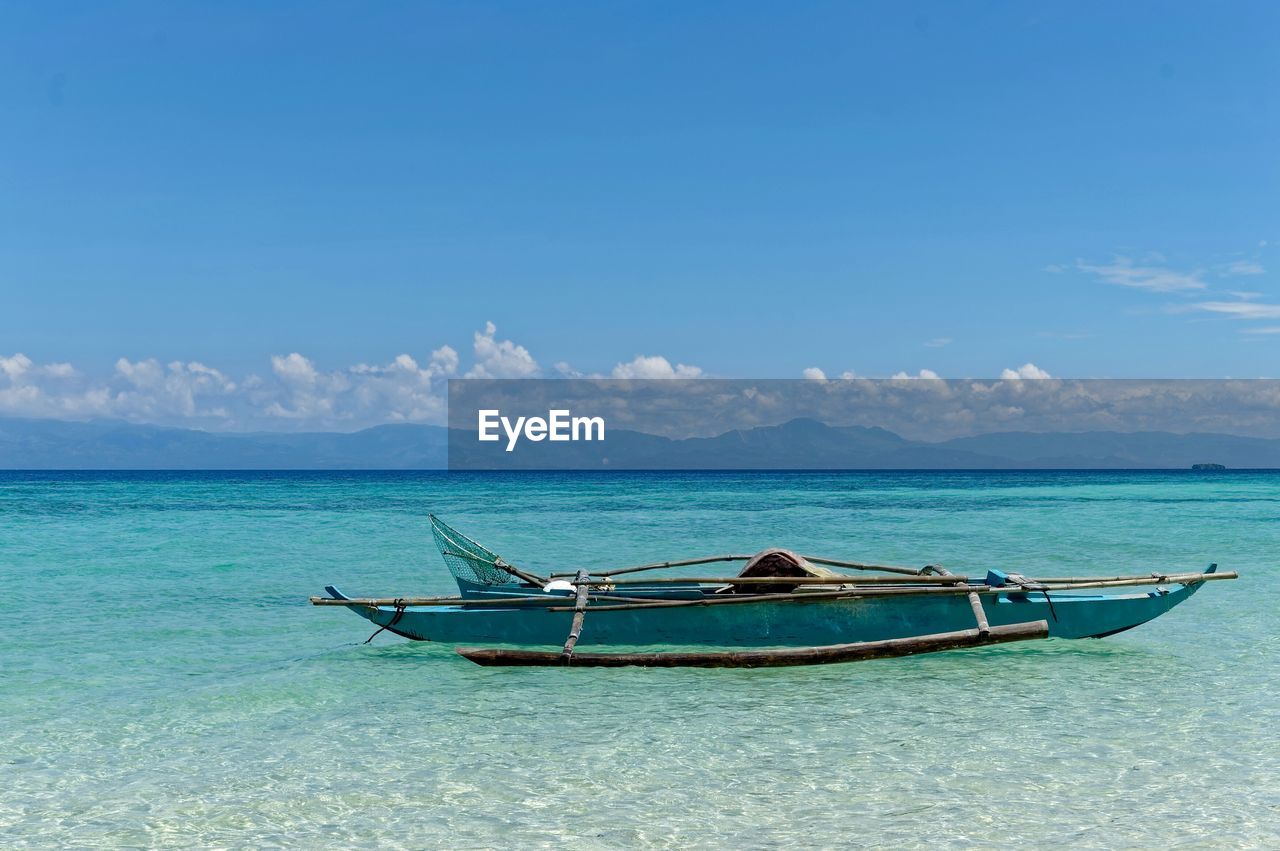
(579,612)
(979,613)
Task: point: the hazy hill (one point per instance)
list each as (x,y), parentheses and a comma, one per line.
(798,444)
(106,445)
(806,444)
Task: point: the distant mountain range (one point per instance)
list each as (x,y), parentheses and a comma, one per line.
(806,444)
(110,445)
(798,444)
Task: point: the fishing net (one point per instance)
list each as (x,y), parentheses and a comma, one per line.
(468,560)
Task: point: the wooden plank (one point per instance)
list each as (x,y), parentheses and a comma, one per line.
(765,658)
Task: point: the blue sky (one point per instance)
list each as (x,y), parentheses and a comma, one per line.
(747,189)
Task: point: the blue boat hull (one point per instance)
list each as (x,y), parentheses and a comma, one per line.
(763,624)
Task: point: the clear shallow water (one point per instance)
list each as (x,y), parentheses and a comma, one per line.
(163,682)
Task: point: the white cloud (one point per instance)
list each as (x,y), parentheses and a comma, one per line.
(816,374)
(1243,267)
(654,366)
(16,366)
(924,373)
(500,358)
(1270,329)
(294,369)
(1055,268)
(1125,272)
(938,342)
(142,390)
(19,367)
(1027,370)
(296,393)
(150,390)
(444,361)
(1240,309)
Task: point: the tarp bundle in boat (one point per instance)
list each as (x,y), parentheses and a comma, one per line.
(783,563)
(466,559)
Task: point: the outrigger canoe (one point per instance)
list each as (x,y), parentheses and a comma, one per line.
(780,609)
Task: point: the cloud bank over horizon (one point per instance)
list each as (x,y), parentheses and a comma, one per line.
(928,409)
(295,394)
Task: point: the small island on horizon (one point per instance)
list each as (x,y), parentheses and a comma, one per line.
(1208,466)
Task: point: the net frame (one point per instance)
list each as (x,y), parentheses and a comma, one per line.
(467,559)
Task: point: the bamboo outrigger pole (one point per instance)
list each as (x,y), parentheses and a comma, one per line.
(663,565)
(731,599)
(556,604)
(780,580)
(884,568)
(660,565)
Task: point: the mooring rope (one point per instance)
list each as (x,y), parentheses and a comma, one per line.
(400,607)
(1027,586)
(1049,600)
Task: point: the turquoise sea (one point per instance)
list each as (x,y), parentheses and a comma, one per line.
(163,681)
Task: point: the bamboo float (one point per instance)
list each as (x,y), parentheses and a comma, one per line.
(764,658)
